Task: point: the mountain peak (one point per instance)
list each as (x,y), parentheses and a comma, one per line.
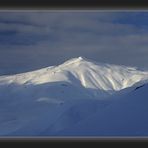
(75,60)
(81,58)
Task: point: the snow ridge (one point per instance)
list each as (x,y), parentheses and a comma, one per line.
(89,74)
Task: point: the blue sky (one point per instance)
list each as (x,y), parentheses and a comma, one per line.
(32,40)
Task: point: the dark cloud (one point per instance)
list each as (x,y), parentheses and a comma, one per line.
(32,40)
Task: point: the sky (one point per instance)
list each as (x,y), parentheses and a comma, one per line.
(31,40)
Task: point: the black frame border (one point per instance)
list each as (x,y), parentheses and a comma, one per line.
(73,5)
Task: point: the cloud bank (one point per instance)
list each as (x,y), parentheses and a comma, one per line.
(32,40)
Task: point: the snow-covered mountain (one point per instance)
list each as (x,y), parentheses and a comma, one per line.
(81,72)
(49,100)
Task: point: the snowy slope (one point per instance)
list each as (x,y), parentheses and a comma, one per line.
(49,100)
(126,116)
